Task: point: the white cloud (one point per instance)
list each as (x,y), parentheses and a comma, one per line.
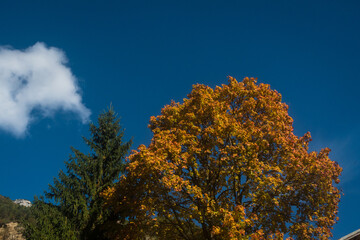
(36,78)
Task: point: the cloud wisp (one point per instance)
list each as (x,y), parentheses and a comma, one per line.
(36,79)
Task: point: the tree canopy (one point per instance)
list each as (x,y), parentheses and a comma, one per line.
(226,164)
(48,222)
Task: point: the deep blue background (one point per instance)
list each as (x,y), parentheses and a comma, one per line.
(138,55)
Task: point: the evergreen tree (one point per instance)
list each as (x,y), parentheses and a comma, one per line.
(76,191)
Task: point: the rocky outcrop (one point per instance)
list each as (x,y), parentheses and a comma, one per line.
(23,202)
(11,231)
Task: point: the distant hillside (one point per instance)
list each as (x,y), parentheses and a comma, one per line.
(10,216)
(11,212)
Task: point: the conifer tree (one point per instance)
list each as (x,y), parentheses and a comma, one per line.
(76,191)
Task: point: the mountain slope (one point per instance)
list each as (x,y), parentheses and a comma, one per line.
(10,216)
(11,212)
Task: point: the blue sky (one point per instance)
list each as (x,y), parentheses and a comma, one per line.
(138,55)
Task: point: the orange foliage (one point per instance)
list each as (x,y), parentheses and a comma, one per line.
(225,164)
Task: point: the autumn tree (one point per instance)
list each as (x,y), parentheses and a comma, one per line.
(75,193)
(225,164)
